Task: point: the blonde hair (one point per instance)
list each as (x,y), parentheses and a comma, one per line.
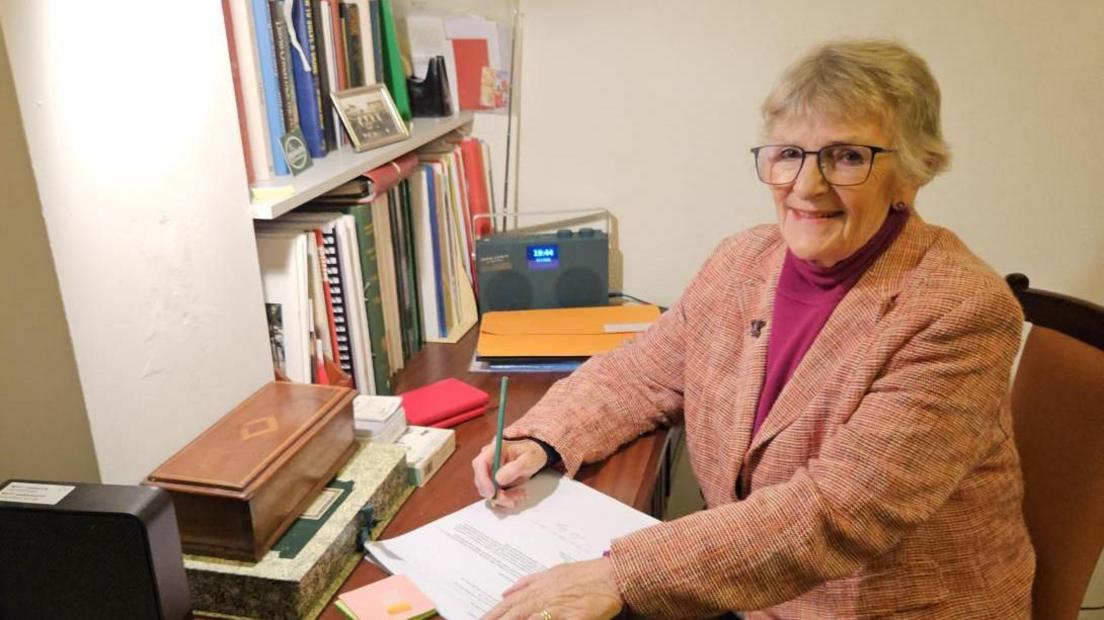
(857,80)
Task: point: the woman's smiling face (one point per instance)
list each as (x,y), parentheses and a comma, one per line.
(824,224)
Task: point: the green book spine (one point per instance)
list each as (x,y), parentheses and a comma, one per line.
(398,247)
(392,60)
(412,264)
(369,266)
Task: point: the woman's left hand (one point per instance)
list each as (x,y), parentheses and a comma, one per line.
(576,591)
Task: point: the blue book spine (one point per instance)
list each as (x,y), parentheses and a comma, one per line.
(435,237)
(266,55)
(304,83)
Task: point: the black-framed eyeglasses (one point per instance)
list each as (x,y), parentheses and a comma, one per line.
(841,165)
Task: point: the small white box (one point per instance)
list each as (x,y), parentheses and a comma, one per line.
(387,432)
(426,450)
(375,408)
(379,418)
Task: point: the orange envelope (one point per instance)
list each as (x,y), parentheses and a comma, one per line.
(561,332)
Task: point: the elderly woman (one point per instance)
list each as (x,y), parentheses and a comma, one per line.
(842,377)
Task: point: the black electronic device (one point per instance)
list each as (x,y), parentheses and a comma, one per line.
(73,550)
(564,269)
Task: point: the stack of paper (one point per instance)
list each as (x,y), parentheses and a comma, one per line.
(464,561)
(379,418)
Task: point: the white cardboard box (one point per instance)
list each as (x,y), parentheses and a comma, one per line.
(426,450)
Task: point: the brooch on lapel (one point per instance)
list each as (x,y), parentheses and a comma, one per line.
(757,327)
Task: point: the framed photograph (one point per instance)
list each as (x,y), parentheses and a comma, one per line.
(370,116)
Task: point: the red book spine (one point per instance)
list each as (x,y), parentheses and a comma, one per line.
(475,173)
(330,323)
(339,46)
(237,89)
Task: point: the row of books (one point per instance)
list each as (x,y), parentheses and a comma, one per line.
(287,56)
(364,276)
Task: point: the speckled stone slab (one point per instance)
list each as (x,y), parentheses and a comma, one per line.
(278,588)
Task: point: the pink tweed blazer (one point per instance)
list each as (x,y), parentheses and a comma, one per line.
(884,482)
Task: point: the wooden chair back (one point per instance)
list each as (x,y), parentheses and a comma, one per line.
(1058,418)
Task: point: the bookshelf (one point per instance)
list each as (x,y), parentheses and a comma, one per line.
(344,165)
(156,197)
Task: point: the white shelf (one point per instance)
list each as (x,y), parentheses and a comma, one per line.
(343,165)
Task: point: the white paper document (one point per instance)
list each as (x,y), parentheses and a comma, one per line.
(463,562)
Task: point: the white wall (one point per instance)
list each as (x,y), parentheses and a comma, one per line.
(648,107)
(44,431)
(132,131)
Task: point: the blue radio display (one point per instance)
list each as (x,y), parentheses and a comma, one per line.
(543,256)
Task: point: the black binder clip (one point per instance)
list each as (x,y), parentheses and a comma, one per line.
(368,514)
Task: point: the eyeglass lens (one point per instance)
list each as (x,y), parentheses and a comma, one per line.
(842,164)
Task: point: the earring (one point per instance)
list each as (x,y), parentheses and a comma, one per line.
(899,206)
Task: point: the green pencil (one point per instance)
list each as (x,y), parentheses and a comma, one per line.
(498,433)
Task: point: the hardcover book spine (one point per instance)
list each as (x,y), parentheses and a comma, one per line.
(273,100)
(283,66)
(366,235)
(392,60)
(406,214)
(377,40)
(249,73)
(341,71)
(235,75)
(306,82)
(373,303)
(354,52)
(337,27)
(318,44)
(398,256)
(435,235)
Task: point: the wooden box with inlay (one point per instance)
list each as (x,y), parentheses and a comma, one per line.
(239,485)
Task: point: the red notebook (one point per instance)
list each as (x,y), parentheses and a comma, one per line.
(444,404)
(471,56)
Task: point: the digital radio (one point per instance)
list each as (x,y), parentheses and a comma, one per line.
(564,269)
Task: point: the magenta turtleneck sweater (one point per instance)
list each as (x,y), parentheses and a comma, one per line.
(805,298)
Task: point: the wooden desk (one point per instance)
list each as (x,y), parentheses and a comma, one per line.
(635,475)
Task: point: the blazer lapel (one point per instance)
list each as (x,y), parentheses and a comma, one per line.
(753,360)
(849,330)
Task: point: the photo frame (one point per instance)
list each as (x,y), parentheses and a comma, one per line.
(370,116)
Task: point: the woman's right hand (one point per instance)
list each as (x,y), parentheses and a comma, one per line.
(520,460)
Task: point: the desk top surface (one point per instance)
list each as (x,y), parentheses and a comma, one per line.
(629,475)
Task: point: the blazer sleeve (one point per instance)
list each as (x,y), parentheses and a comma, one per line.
(935,405)
(618,396)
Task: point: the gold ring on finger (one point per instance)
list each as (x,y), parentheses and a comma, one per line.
(545,615)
